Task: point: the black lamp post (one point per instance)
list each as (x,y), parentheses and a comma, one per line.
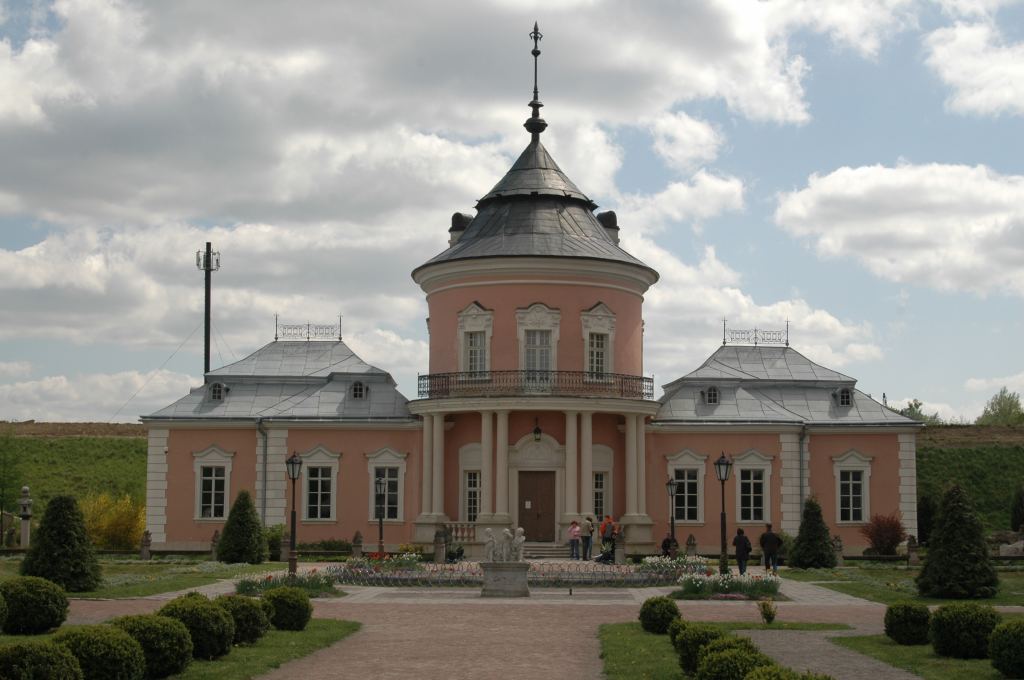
(380,486)
(671,485)
(294,466)
(723,466)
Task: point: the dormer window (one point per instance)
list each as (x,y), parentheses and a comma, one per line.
(217,391)
(358,390)
(711,395)
(845,397)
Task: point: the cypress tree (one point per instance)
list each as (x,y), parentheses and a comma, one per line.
(957,563)
(1017,510)
(925,518)
(242,538)
(813,546)
(61,551)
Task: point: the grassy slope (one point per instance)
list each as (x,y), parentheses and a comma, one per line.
(989,474)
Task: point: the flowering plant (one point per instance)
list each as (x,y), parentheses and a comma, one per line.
(712,584)
(683,564)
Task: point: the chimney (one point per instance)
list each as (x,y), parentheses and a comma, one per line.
(610,223)
(459,223)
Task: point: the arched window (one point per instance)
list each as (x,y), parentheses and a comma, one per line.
(712,395)
(358,390)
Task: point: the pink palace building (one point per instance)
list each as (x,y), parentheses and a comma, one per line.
(534,412)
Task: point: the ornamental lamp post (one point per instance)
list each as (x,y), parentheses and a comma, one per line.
(380,486)
(294,467)
(723,466)
(671,486)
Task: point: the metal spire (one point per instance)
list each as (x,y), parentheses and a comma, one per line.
(535,124)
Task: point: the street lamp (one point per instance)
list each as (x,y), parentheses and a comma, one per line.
(671,485)
(537,432)
(380,486)
(723,466)
(294,466)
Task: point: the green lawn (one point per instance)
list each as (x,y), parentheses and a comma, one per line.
(630,652)
(919,659)
(127,578)
(889,585)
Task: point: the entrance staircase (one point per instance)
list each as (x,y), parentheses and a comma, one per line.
(545,551)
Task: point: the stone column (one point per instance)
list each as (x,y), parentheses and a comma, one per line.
(571,506)
(587,464)
(426,486)
(501,513)
(630,465)
(641,464)
(438,477)
(486,464)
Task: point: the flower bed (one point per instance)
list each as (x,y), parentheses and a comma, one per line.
(683,564)
(710,585)
(315,583)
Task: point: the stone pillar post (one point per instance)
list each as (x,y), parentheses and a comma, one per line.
(486,465)
(501,513)
(571,506)
(144,546)
(426,486)
(438,475)
(25,508)
(587,465)
(631,465)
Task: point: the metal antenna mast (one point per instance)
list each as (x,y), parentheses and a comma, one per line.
(208,262)
(535,124)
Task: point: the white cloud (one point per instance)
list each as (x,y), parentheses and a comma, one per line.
(981,9)
(861,25)
(985,72)
(14,369)
(684,142)
(989,386)
(704,196)
(955,414)
(951,227)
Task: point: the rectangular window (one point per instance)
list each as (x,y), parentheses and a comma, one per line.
(476,351)
(597,361)
(318,493)
(472,491)
(599,490)
(687,508)
(390,500)
(751,495)
(538,351)
(851,495)
(211,492)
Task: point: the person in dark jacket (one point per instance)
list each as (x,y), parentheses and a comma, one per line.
(743,548)
(669,546)
(770,545)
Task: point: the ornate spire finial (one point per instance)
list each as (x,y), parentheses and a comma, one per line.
(535,124)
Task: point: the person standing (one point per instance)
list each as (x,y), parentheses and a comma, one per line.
(587,536)
(743,548)
(608,534)
(574,540)
(669,545)
(770,544)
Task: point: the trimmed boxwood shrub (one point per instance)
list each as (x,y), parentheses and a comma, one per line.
(34,605)
(657,613)
(38,659)
(103,652)
(292,608)
(675,628)
(1006,648)
(780,673)
(61,551)
(813,546)
(730,664)
(906,623)
(242,539)
(690,641)
(211,628)
(166,644)
(961,630)
(251,622)
(727,642)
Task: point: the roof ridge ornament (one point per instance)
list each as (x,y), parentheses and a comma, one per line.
(535,124)
(754,336)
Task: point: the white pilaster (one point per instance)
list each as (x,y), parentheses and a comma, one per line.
(156,485)
(587,464)
(277,475)
(486,464)
(426,472)
(908,481)
(641,464)
(571,456)
(438,478)
(631,465)
(789,456)
(501,512)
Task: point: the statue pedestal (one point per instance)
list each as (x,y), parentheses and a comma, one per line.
(505,579)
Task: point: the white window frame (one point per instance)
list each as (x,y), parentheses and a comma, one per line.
(474,319)
(599,319)
(364,390)
(602,460)
(713,396)
(754,460)
(212,456)
(469,461)
(385,457)
(464,512)
(688,460)
(853,460)
(847,394)
(218,391)
(538,317)
(320,456)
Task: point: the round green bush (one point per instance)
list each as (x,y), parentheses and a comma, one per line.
(675,628)
(103,652)
(730,664)
(251,622)
(906,623)
(961,630)
(38,659)
(689,642)
(34,605)
(727,642)
(656,613)
(780,673)
(292,608)
(166,643)
(211,628)
(1006,648)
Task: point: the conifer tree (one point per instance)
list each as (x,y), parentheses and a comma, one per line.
(957,563)
(61,551)
(242,538)
(1017,510)
(813,546)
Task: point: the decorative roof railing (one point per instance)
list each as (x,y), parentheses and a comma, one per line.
(307,331)
(535,383)
(754,336)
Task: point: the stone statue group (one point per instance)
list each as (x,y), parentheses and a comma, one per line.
(507,548)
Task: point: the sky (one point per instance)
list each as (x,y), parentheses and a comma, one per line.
(855,167)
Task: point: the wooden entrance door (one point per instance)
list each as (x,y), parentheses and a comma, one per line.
(537,505)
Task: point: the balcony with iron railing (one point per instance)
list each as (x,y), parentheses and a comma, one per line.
(535,383)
